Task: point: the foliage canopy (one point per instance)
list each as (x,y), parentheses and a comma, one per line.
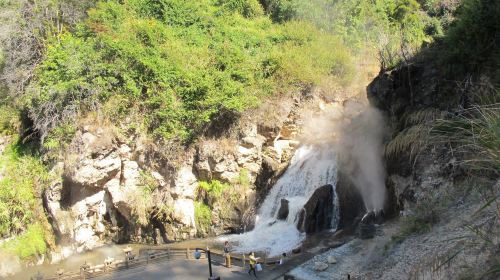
(176,65)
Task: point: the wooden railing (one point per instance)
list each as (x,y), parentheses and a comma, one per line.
(150,255)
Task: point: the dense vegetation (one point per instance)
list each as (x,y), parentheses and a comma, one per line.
(22,178)
(169,68)
(173,66)
(471,45)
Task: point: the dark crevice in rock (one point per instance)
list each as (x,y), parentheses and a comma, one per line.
(351,204)
(125,230)
(73,192)
(122,173)
(317,214)
(158,224)
(221,123)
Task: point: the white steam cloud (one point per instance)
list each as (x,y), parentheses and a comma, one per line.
(357,131)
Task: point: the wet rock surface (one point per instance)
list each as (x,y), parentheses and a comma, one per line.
(283,211)
(317,213)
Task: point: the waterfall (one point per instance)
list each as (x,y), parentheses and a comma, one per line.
(311,167)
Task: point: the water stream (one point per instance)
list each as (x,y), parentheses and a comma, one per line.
(311,167)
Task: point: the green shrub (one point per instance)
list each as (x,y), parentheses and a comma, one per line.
(471,43)
(28,244)
(9,114)
(9,120)
(388,27)
(24,177)
(202,216)
(214,188)
(247,8)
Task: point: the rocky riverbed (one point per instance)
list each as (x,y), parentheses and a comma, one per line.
(447,251)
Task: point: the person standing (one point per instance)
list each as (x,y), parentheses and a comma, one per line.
(282,259)
(227,256)
(253,262)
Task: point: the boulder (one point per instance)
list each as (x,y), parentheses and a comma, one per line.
(283,211)
(320,266)
(317,213)
(96,172)
(350,201)
(185,183)
(184,212)
(331,260)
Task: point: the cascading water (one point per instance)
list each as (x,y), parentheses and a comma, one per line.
(311,167)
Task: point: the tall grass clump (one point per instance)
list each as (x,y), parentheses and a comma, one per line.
(475,135)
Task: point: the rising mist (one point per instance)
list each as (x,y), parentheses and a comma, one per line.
(357,131)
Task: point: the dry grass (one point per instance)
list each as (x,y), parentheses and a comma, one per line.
(421,116)
(475,135)
(411,141)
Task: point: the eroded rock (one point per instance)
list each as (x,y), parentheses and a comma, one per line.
(320,266)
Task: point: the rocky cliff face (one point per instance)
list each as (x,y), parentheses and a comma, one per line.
(411,97)
(114,189)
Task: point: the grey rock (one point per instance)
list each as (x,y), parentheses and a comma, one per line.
(320,266)
(331,260)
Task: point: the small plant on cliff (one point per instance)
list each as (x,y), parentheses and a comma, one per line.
(214,188)
(143,198)
(202,216)
(243,178)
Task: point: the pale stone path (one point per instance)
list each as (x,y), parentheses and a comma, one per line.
(179,269)
(198,270)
